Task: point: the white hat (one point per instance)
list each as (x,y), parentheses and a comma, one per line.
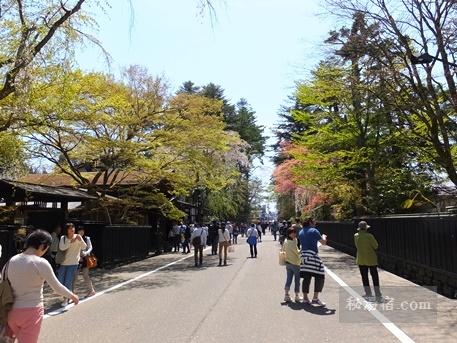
(363,225)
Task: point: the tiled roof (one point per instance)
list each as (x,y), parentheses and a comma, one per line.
(123,178)
(21,191)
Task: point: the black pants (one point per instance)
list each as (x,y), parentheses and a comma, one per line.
(274,234)
(176,243)
(366,281)
(235,239)
(198,254)
(186,246)
(318,282)
(214,245)
(253,248)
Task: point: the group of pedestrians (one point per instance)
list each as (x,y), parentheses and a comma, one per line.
(217,234)
(303,261)
(73,250)
(27,272)
(301,244)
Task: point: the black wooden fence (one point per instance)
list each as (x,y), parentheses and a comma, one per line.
(7,242)
(420,248)
(113,244)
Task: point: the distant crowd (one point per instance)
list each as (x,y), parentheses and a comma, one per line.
(219,235)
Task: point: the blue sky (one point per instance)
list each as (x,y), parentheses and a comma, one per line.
(254,49)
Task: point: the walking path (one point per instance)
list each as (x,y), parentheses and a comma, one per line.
(241,302)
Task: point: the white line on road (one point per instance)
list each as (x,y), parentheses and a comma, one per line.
(122,284)
(395,330)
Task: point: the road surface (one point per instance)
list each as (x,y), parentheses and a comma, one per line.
(240,303)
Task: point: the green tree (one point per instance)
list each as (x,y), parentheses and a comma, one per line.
(424,98)
(93,122)
(352,152)
(244,121)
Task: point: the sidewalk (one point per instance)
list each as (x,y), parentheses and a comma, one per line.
(435,328)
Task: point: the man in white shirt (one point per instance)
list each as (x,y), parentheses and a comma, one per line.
(229,228)
(198,239)
(175,237)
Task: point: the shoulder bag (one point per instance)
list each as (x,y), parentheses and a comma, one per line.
(60,256)
(91,261)
(282,257)
(252,239)
(197,241)
(6,296)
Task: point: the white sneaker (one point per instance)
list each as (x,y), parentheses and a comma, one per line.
(298,298)
(64,303)
(318,303)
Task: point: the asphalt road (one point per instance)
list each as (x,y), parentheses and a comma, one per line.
(242,302)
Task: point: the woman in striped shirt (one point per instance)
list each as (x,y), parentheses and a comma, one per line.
(311,264)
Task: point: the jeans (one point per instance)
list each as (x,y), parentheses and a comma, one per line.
(66,274)
(235,238)
(293,272)
(366,281)
(253,248)
(318,282)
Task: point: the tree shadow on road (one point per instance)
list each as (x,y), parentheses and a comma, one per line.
(338,262)
(105,279)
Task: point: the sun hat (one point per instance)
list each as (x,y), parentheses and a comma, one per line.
(363,225)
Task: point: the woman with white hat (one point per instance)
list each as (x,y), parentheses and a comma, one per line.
(367,258)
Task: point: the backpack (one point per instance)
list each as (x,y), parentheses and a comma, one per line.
(197,241)
(187,233)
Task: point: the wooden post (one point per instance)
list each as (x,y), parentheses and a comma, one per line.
(64,207)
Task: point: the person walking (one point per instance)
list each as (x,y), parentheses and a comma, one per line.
(229,227)
(274,229)
(252,234)
(311,264)
(236,232)
(367,259)
(198,239)
(83,262)
(186,233)
(283,232)
(27,273)
(213,237)
(264,226)
(259,231)
(224,242)
(292,265)
(55,234)
(71,244)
